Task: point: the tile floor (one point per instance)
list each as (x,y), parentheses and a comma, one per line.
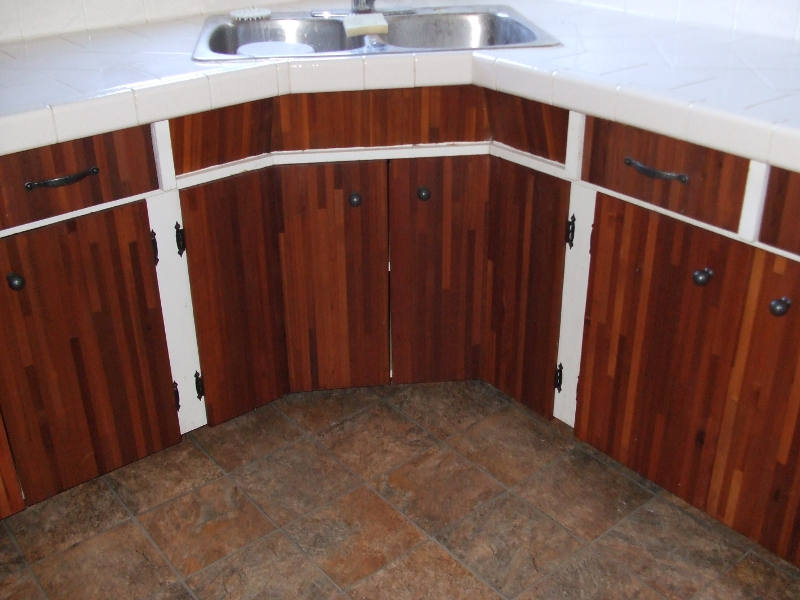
(426,491)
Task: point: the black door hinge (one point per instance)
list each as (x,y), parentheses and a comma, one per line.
(198,385)
(571,231)
(177,395)
(180,239)
(559,378)
(155,246)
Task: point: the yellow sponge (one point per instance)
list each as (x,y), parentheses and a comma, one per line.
(364,23)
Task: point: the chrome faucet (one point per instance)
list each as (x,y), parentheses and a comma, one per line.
(363,6)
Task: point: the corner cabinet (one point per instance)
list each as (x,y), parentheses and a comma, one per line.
(690,368)
(85,384)
(297,272)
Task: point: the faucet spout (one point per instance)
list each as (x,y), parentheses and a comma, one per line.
(363,6)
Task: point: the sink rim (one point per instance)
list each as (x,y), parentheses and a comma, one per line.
(372,44)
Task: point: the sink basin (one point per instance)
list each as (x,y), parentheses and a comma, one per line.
(224,38)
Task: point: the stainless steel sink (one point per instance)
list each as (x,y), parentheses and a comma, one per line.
(322,33)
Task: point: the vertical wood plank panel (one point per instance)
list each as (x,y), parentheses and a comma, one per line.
(334,262)
(782,211)
(525,270)
(528,125)
(755,486)
(86,385)
(438,252)
(658,349)
(221,135)
(232,230)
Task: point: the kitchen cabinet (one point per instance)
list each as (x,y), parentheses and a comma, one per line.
(526,219)
(687,376)
(685,178)
(782,211)
(438,231)
(231,231)
(291,287)
(85,383)
(334,254)
(11,500)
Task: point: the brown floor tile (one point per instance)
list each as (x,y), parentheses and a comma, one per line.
(449,407)
(511,445)
(199,528)
(294,480)
(272,567)
(355,536)
(669,550)
(437,488)
(583,495)
(375,441)
(427,572)
(586,576)
(120,564)
(66,519)
(508,543)
(753,578)
(317,411)
(21,587)
(245,438)
(159,477)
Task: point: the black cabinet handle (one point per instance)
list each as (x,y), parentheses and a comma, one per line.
(59,181)
(655,173)
(355,199)
(701,277)
(15,281)
(423,194)
(780,306)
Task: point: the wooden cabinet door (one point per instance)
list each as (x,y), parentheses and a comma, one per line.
(11,500)
(334,258)
(755,483)
(85,383)
(527,219)
(438,242)
(232,249)
(658,349)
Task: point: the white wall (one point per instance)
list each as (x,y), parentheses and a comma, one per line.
(27,19)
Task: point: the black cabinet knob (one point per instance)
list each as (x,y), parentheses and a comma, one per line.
(15,282)
(701,277)
(355,199)
(423,194)
(780,306)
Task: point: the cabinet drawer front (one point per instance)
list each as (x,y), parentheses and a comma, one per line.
(782,211)
(685,178)
(53,180)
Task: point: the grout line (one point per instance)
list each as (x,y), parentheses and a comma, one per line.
(27,565)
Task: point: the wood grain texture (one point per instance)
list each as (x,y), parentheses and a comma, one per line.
(782,211)
(438,253)
(755,481)
(524,276)
(715,189)
(528,125)
(658,350)
(334,260)
(380,118)
(85,383)
(11,500)
(221,135)
(125,160)
(233,256)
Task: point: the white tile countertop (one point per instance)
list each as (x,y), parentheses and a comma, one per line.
(724,88)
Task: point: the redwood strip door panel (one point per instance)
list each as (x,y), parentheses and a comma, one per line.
(85,383)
